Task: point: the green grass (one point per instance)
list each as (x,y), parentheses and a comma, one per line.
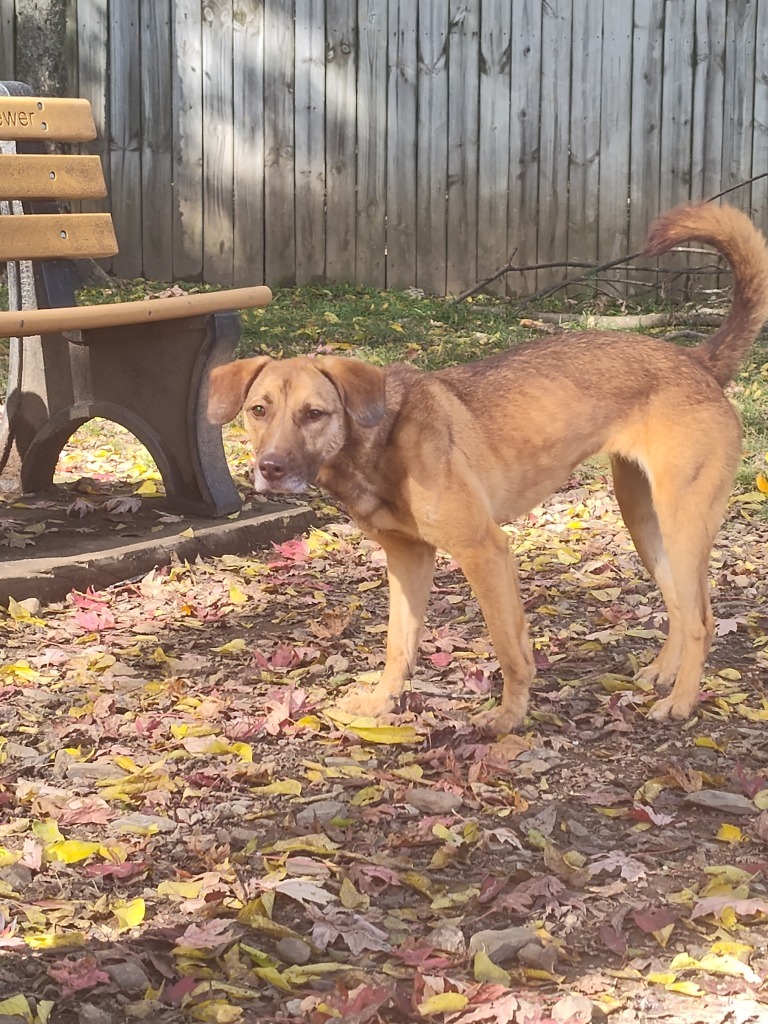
(431,332)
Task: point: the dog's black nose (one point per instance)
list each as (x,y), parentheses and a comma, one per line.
(272,467)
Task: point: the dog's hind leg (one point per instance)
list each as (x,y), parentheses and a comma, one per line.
(633,493)
(410,568)
(689,513)
(491,571)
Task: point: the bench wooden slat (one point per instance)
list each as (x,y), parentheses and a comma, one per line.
(37,117)
(51,177)
(50,236)
(21,323)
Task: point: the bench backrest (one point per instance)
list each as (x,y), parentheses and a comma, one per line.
(31,180)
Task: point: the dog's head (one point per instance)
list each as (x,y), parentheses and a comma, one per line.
(297,412)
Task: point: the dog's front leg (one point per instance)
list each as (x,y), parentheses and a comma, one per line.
(492,574)
(410,568)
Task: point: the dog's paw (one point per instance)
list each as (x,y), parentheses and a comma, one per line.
(497,722)
(672,707)
(656,674)
(369,703)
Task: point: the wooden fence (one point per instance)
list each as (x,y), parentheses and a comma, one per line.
(412,142)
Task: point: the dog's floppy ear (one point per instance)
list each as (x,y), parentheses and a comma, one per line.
(229,385)
(360,385)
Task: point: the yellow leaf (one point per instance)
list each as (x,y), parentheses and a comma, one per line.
(44,1010)
(350,897)
(236,596)
(367,795)
(184,890)
(487,971)
(446,1002)
(216,1011)
(761,800)
(47,831)
(243,750)
(661,977)
(384,733)
(686,988)
(729,834)
(16,1006)
(189,532)
(731,674)
(147,487)
(707,741)
(129,913)
(232,647)
(71,851)
(370,585)
(67,940)
(762,483)
(662,934)
(281,787)
(273,977)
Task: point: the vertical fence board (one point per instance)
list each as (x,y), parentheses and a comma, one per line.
(371,143)
(677,104)
(584,176)
(432,147)
(495,147)
(759,209)
(645,125)
(525,89)
(126,193)
(340,140)
(739,100)
(93,77)
(187,106)
(310,141)
(463,140)
(279,143)
(248,156)
(554,131)
(7,40)
(707,135)
(218,156)
(401,144)
(157,137)
(615,115)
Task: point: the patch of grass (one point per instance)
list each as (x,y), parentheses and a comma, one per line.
(432,332)
(382,327)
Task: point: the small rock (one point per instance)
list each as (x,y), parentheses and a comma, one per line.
(243,835)
(573,1009)
(17,876)
(129,976)
(536,766)
(293,951)
(536,956)
(93,770)
(433,801)
(141,823)
(320,813)
(502,944)
(30,604)
(717,800)
(89,1014)
(447,937)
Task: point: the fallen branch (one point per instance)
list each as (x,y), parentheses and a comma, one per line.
(630,322)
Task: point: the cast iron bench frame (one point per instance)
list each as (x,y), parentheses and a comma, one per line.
(142,364)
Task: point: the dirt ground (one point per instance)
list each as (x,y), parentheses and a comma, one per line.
(189,829)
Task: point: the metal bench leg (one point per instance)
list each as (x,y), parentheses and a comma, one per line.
(152,380)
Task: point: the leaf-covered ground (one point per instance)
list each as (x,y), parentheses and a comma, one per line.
(190,831)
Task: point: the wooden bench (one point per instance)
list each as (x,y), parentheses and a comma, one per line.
(142,364)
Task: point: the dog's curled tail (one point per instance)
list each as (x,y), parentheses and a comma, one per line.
(734,235)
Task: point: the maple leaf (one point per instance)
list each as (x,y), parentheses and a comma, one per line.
(357,933)
(628,867)
(78,975)
(209,934)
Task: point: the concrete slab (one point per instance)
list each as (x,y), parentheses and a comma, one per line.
(103,561)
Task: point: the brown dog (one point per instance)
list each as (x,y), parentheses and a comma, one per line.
(436,460)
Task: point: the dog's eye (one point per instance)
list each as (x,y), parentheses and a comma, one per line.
(315,414)
(258,411)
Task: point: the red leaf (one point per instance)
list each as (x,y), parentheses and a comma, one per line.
(77,975)
(653,920)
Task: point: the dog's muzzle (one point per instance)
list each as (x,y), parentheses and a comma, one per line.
(274,473)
